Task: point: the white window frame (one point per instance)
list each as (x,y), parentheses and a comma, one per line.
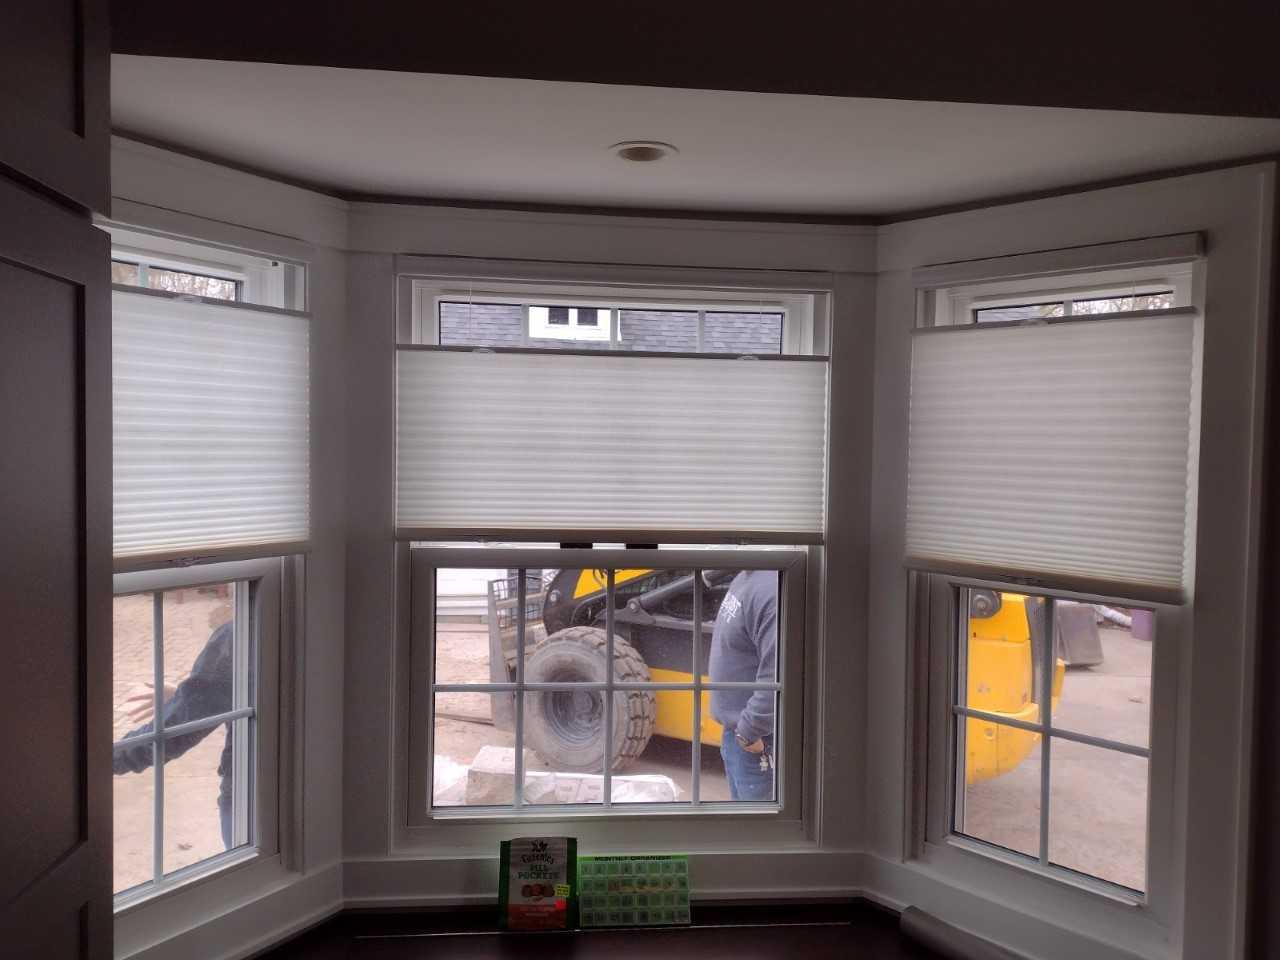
(936,769)
(800,334)
(263,612)
(420,283)
(684,825)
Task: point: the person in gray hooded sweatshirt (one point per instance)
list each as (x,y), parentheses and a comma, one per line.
(744,647)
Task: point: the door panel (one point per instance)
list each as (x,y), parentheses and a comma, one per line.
(41,566)
(54,97)
(55,602)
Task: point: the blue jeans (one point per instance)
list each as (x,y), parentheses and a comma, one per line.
(747,781)
(225,816)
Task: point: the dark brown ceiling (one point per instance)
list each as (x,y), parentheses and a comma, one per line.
(1206,57)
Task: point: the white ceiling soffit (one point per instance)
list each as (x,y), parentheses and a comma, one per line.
(525,141)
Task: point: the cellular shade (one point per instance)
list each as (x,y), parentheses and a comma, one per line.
(553,442)
(1059,450)
(210,420)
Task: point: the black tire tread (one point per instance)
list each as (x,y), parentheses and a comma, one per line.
(629,667)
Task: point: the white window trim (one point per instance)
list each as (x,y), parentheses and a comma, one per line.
(933,775)
(798,310)
(710,826)
(267,609)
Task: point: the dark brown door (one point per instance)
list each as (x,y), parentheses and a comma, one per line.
(55,582)
(55,483)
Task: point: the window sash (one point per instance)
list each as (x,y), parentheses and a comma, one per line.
(936,768)
(420,733)
(258,607)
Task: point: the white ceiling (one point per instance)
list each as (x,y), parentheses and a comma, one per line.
(429,135)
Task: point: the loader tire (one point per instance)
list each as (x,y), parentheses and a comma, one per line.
(566,728)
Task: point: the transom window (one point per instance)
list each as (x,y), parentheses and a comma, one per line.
(743,328)
(140,273)
(666,331)
(174,265)
(1069,307)
(1100,293)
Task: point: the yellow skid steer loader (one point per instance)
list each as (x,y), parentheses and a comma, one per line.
(653,629)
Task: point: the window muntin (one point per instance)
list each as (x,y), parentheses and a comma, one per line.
(1076,800)
(194,780)
(480,704)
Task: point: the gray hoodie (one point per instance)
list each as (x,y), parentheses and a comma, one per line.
(744,646)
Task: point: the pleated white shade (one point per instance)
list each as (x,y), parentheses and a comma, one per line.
(210,419)
(1058,450)
(550,442)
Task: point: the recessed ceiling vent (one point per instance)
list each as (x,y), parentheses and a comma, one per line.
(643,151)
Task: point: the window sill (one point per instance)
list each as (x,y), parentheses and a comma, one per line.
(186,878)
(648,811)
(1060,875)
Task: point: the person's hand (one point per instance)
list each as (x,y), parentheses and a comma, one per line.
(140,705)
(757,747)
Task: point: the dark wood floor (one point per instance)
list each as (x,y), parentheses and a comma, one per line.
(848,931)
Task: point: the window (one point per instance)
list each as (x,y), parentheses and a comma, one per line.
(607,676)
(1050,483)
(175,265)
(697,327)
(195,675)
(211,478)
(1051,722)
(1101,292)
(535,669)
(1073,307)
(177,281)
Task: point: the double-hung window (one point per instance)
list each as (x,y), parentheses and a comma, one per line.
(610,502)
(211,453)
(1050,494)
